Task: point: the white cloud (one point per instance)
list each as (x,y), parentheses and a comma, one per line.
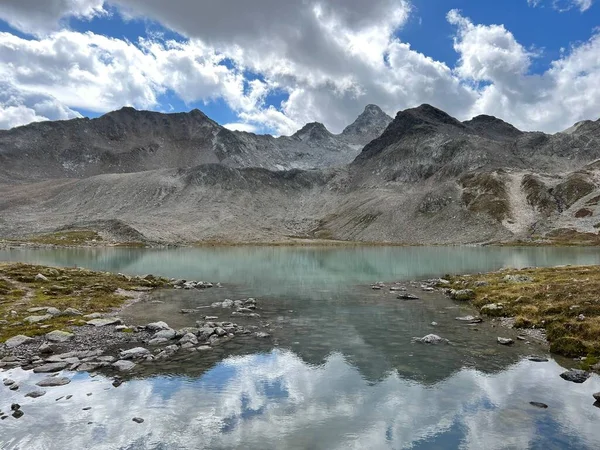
(569,91)
(248,128)
(565,5)
(18,108)
(327,59)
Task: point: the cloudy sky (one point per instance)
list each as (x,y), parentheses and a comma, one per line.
(273,65)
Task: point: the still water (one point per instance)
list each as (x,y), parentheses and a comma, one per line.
(340,370)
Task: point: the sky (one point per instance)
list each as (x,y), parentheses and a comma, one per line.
(271,66)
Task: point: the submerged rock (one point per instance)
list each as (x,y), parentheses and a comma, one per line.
(539,405)
(575,375)
(138,420)
(36,394)
(538,359)
(408,296)
(431,339)
(505,341)
(470,319)
(53,382)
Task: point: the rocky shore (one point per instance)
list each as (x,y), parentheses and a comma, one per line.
(43,330)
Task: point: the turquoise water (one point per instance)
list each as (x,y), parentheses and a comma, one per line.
(340,372)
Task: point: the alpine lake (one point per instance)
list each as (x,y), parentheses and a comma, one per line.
(339,370)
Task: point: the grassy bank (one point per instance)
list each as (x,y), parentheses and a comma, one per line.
(565,301)
(71,238)
(25,294)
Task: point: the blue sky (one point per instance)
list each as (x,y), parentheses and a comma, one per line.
(533,63)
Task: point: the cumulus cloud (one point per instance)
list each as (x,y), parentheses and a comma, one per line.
(39,17)
(326,59)
(566,93)
(20,108)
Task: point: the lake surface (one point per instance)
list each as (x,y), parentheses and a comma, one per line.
(339,372)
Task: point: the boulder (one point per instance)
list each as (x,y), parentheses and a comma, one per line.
(51,367)
(469,319)
(59,336)
(134,353)
(492,308)
(103,322)
(462,295)
(72,312)
(189,339)
(431,339)
(36,319)
(53,382)
(16,341)
(124,365)
(505,341)
(36,394)
(167,334)
(157,326)
(517,279)
(575,375)
(40,277)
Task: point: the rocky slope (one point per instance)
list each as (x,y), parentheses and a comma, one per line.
(428,178)
(133,141)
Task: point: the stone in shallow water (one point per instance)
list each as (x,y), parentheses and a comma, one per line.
(138,420)
(575,375)
(505,341)
(124,365)
(36,394)
(408,297)
(470,319)
(53,382)
(539,405)
(134,353)
(431,339)
(51,367)
(538,359)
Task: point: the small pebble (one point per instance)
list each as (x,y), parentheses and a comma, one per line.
(539,405)
(87,408)
(137,419)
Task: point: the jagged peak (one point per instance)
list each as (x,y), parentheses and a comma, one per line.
(430,114)
(371,120)
(312,130)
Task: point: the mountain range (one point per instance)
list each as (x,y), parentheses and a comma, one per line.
(423,177)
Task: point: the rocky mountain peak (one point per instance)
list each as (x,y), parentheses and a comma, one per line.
(493,128)
(369,125)
(312,131)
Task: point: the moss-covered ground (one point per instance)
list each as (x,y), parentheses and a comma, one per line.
(84,290)
(565,301)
